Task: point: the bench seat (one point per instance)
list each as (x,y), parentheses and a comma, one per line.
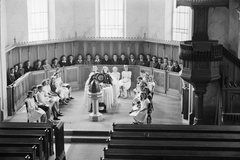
(169,154)
(175,136)
(173,145)
(176,128)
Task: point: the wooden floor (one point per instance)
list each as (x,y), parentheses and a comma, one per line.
(167,110)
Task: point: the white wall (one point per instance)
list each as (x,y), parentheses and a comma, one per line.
(156,19)
(136,17)
(17,21)
(3,73)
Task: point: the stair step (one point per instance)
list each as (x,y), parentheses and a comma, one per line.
(85,139)
(86,133)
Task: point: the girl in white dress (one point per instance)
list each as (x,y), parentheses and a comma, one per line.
(34,113)
(151,84)
(139,111)
(125,82)
(115,77)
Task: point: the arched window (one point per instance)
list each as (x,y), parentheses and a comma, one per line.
(38,20)
(111,23)
(182,23)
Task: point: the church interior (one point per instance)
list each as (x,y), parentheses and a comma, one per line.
(119,79)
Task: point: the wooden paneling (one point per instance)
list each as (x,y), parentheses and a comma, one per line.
(42,52)
(141,48)
(15,59)
(38,77)
(68,48)
(71,75)
(133,48)
(107,48)
(33,54)
(146,69)
(115,49)
(51,54)
(160,52)
(59,50)
(89,48)
(174,83)
(24,54)
(160,79)
(19,90)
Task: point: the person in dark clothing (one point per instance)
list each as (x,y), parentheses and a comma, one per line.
(70,61)
(28,67)
(115,60)
(97,60)
(16,72)
(123,60)
(154,63)
(79,60)
(11,76)
(38,66)
(88,60)
(149,59)
(164,65)
(20,68)
(160,62)
(106,60)
(132,60)
(63,61)
(141,60)
(176,67)
(55,63)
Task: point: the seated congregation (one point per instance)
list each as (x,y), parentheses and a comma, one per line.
(150,61)
(44,99)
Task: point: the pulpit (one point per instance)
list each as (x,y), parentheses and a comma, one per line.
(94,94)
(200,56)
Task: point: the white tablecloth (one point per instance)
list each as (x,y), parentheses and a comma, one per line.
(107,98)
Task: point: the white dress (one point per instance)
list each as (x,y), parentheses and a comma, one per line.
(63,91)
(115,81)
(140,115)
(151,86)
(125,82)
(34,113)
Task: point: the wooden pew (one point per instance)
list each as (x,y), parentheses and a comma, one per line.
(174,145)
(169,154)
(27,157)
(31,126)
(18,152)
(176,128)
(229,137)
(28,134)
(24,142)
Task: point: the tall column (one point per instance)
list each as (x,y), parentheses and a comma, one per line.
(200,28)
(3,73)
(199,92)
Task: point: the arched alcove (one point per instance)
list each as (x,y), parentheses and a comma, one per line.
(114,48)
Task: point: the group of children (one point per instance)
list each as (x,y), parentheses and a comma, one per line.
(44,99)
(142,102)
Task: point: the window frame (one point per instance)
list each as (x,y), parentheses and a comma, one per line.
(98,20)
(31,30)
(190,22)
